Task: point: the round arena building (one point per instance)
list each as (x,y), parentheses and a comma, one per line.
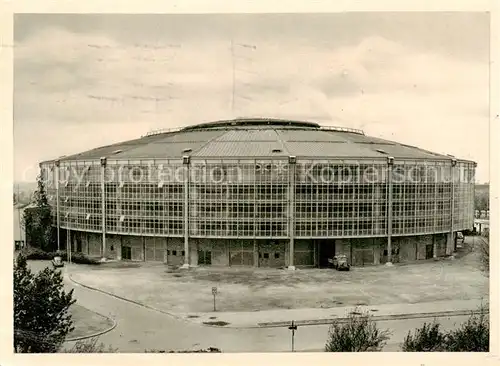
(260,192)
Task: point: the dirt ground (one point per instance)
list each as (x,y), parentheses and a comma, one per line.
(248,289)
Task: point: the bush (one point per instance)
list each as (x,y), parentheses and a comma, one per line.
(90,346)
(472,336)
(41,309)
(429,338)
(38,254)
(31,253)
(81,258)
(358,333)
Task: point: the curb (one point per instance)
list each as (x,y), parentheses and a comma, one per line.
(439,314)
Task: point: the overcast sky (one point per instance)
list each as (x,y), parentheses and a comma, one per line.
(81,81)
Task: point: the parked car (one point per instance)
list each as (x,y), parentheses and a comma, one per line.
(57,262)
(340,263)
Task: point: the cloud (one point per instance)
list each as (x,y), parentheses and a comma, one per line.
(72,81)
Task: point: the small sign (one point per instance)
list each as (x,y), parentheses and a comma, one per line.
(214,290)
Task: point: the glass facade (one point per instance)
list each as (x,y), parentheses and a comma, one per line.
(262,198)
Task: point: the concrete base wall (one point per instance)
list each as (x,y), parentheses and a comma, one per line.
(155,248)
(94,242)
(263,253)
(440,242)
(113,246)
(304,253)
(174,250)
(136,245)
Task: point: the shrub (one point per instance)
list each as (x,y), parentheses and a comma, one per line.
(429,338)
(38,254)
(472,336)
(358,333)
(81,258)
(90,346)
(41,317)
(32,253)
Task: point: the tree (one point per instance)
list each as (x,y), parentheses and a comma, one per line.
(37,221)
(41,309)
(358,333)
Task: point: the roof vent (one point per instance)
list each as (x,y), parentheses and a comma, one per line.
(187,150)
(381,151)
(117,152)
(277,150)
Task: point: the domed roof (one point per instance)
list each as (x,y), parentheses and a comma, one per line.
(257,138)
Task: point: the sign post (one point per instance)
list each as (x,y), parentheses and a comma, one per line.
(293,328)
(214,292)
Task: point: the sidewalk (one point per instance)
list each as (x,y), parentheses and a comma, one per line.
(275,318)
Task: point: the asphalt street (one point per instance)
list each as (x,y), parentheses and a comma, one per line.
(139,328)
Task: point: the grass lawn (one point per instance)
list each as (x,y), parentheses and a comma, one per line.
(87,322)
(248,289)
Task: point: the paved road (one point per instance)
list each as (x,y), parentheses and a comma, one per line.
(139,328)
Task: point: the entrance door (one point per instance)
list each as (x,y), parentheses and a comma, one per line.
(126,252)
(428,251)
(204,257)
(326,250)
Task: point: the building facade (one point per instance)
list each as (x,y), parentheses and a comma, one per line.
(261,192)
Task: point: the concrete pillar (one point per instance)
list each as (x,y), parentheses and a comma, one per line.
(193,255)
(390,163)
(255,253)
(449,243)
(56,172)
(119,184)
(376,208)
(291,210)
(119,249)
(186,161)
(69,245)
(450,248)
(376,252)
(103,207)
(315,254)
(434,245)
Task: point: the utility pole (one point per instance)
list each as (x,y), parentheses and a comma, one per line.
(293,328)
